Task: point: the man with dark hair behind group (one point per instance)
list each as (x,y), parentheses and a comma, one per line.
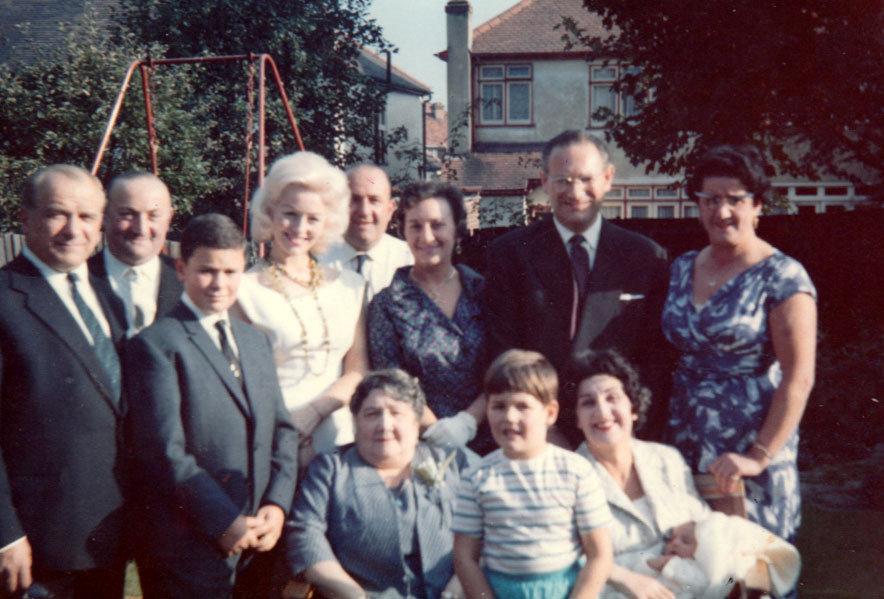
(575,281)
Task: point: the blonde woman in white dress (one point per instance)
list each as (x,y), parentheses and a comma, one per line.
(312,313)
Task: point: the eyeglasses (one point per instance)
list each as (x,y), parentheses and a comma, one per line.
(569,181)
(710,200)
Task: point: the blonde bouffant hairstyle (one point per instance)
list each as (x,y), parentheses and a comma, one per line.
(308,171)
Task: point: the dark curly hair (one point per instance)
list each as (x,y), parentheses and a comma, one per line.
(396,384)
(415,193)
(590,363)
(744,163)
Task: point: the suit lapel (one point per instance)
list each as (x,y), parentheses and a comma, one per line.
(603,297)
(110,301)
(650,470)
(170,287)
(200,338)
(47,307)
(613,493)
(249,366)
(551,263)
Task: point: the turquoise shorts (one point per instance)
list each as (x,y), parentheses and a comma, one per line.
(549,585)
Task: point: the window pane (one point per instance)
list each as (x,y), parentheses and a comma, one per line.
(805,191)
(641,192)
(666,192)
(519,102)
(835,191)
(611,211)
(638,212)
(603,97)
(630,108)
(690,210)
(665,211)
(491,72)
(519,71)
(616,192)
(492,102)
(604,73)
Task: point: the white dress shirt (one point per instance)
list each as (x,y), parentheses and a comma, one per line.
(136,286)
(207,321)
(62,287)
(382,261)
(590,237)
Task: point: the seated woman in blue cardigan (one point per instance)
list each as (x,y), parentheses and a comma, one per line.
(374,518)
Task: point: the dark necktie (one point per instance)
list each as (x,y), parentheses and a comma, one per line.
(360,262)
(104,348)
(227,350)
(579,264)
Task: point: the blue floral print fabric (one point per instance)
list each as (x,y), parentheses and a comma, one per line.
(727,375)
(407,330)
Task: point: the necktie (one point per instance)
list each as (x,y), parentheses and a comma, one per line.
(227,350)
(104,349)
(137,318)
(360,262)
(579,264)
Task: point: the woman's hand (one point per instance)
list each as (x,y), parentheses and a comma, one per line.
(729,468)
(306,419)
(639,586)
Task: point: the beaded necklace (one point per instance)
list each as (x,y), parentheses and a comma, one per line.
(277,272)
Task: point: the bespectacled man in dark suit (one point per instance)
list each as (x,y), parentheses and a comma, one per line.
(575,281)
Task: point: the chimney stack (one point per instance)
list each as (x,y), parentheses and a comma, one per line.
(460,39)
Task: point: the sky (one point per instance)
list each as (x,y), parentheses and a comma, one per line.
(417,28)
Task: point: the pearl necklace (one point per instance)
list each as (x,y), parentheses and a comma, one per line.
(276,273)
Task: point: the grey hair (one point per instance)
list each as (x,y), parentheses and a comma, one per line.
(396,384)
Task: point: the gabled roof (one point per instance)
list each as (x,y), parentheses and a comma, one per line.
(529,27)
(375,66)
(495,173)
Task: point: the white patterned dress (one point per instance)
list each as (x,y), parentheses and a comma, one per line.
(727,375)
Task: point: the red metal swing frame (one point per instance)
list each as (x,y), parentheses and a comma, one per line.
(145,67)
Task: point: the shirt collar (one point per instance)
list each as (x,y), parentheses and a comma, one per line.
(206,320)
(591,233)
(117,269)
(373,252)
(48,272)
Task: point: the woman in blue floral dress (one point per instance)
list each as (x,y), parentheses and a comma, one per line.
(430,321)
(743,315)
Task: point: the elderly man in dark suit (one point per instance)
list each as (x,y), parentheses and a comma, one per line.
(214,447)
(143,281)
(61,414)
(575,281)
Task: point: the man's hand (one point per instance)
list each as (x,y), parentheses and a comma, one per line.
(268,526)
(239,536)
(15,566)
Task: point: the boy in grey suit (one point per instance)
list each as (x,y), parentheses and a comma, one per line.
(213,444)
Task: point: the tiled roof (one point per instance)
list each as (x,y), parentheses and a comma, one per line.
(529,27)
(495,172)
(375,66)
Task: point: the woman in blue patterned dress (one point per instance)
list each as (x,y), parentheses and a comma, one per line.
(743,315)
(430,322)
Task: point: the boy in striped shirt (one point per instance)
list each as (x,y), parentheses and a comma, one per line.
(530,508)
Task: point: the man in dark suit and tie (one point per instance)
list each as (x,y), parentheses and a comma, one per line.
(575,281)
(61,414)
(136,220)
(215,451)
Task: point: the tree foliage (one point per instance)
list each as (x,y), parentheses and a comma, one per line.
(54,109)
(802,79)
(315,44)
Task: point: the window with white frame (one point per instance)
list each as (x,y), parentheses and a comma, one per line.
(666,193)
(610,211)
(690,210)
(642,193)
(666,211)
(602,95)
(638,211)
(505,94)
(615,193)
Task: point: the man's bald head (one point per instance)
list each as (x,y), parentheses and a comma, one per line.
(371,206)
(137,218)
